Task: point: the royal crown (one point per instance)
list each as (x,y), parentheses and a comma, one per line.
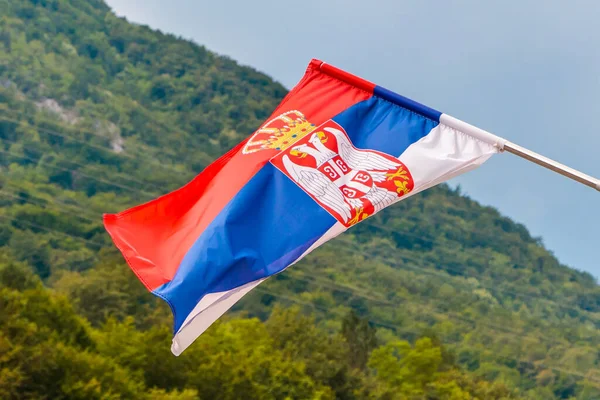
(279,133)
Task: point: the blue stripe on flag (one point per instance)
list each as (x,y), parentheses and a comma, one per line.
(407,103)
(377,124)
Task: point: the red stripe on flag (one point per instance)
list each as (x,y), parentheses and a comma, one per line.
(154,237)
(346,77)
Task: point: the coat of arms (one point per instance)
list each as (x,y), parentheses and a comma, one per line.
(350,183)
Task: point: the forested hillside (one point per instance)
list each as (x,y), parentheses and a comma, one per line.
(436,297)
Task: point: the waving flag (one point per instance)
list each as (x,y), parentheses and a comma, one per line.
(337,150)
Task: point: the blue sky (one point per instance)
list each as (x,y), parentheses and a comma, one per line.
(528,71)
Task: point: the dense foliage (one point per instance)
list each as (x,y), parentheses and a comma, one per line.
(436,297)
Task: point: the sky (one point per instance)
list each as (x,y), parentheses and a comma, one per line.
(528,71)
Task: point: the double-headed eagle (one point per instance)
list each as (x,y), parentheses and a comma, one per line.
(328,192)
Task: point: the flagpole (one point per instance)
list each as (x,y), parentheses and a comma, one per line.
(461,126)
(552,165)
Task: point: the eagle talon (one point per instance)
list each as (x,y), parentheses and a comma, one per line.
(400,173)
(360,216)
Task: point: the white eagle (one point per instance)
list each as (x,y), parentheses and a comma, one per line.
(327,192)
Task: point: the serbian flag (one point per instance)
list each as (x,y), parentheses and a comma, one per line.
(336,150)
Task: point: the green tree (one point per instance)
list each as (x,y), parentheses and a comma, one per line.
(361,338)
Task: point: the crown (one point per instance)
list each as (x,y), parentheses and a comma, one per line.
(279,133)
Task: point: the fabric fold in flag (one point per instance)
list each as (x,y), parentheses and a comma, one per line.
(336,150)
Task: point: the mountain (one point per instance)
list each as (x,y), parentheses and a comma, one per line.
(436,297)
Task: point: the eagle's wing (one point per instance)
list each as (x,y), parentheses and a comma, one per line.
(319,186)
(381,198)
(360,159)
(378,176)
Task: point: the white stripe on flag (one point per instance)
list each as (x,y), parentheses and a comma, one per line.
(443,154)
(207,311)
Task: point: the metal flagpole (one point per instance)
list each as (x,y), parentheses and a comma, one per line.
(552,165)
(505,145)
